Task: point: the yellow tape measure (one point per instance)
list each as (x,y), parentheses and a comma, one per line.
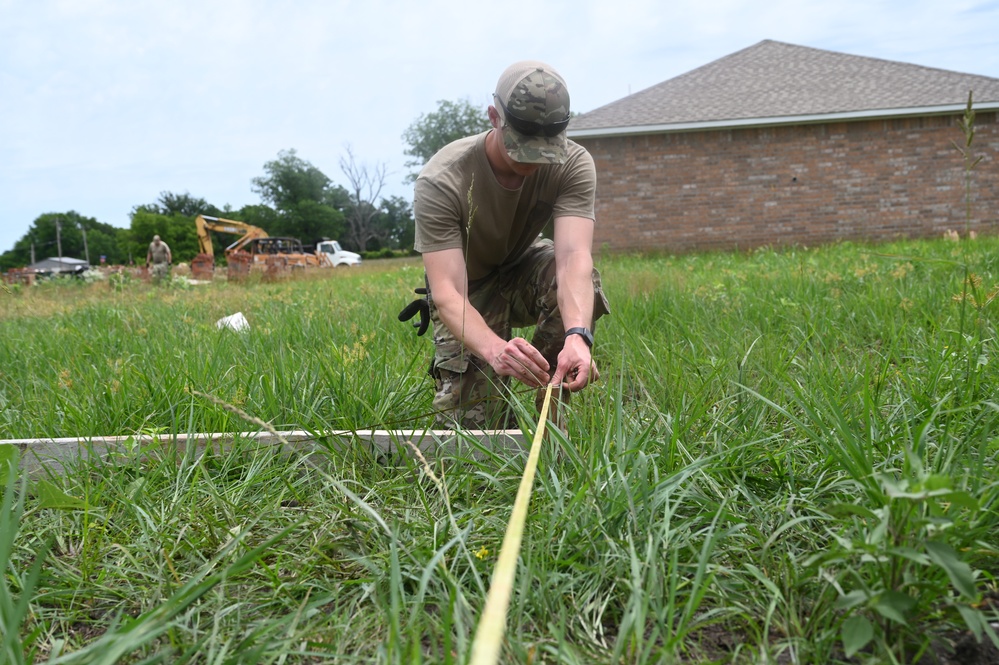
(492,623)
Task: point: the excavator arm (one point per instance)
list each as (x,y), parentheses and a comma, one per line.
(204,224)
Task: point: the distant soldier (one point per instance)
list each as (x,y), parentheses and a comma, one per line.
(159,255)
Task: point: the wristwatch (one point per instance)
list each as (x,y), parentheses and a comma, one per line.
(582,332)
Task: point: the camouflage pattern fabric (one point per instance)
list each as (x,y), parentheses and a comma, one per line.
(541,98)
(468,391)
(160,271)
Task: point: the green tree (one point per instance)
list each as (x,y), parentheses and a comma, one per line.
(105,240)
(306,203)
(394,226)
(260,215)
(432,131)
(310,221)
(289,181)
(178,231)
(184,204)
(78,236)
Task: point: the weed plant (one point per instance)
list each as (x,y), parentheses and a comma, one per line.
(790,458)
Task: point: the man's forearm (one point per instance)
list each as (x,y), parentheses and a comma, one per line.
(515,357)
(467,325)
(447,281)
(575,289)
(574,272)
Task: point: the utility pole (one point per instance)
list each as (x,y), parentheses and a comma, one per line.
(59,241)
(86,251)
(32,251)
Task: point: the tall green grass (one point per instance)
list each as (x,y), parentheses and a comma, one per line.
(790,458)
(317,353)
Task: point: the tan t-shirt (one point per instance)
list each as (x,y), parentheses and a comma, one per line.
(160,252)
(506,222)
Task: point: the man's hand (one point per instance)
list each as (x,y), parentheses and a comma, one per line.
(576,368)
(517,358)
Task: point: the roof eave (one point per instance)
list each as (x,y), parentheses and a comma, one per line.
(742,123)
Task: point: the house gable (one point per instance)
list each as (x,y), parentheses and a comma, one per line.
(777,83)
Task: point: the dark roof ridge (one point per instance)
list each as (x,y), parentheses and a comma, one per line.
(873,58)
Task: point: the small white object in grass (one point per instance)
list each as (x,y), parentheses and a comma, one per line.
(235,322)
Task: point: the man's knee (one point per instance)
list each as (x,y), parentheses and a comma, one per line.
(461,399)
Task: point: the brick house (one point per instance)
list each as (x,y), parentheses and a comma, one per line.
(780,144)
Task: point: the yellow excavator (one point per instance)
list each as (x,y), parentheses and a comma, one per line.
(253,248)
(247,233)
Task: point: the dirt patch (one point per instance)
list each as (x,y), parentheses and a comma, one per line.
(963,649)
(718,643)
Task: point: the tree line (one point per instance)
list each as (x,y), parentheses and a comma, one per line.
(297,200)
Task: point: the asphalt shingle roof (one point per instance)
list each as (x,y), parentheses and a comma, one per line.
(773,79)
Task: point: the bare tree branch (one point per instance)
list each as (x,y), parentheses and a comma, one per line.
(365,185)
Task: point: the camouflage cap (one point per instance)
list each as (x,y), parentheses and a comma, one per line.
(533,102)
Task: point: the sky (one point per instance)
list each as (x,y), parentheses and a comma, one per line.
(106,104)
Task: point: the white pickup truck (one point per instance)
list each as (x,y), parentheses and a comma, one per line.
(337,255)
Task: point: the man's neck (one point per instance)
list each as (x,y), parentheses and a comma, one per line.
(499,162)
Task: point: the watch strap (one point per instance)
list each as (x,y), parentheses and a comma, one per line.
(582,332)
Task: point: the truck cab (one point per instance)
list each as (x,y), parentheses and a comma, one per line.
(337,255)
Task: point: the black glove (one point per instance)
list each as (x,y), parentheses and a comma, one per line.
(421,305)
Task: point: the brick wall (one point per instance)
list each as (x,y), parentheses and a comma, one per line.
(802,184)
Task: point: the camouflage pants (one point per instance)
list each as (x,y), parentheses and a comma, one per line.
(516,296)
(160,271)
